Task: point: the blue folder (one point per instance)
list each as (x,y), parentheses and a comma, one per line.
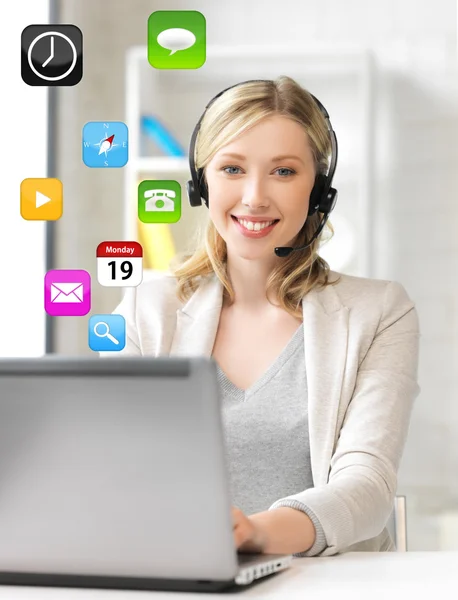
(158,132)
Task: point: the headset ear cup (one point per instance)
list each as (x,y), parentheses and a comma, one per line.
(330,200)
(316,194)
(202,185)
(193,196)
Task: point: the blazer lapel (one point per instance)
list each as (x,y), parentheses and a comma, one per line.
(325,346)
(197,321)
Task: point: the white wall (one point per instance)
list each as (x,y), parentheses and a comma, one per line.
(23,153)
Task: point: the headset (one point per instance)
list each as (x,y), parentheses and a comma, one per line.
(323,197)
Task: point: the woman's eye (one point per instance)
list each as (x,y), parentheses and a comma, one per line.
(230,167)
(289,171)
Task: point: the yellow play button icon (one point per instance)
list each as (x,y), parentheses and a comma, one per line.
(41,199)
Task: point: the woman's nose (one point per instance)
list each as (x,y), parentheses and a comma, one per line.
(255,193)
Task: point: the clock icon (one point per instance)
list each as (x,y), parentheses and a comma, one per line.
(51,55)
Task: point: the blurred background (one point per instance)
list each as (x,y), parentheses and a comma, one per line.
(386,71)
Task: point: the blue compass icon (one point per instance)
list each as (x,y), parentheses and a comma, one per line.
(105,144)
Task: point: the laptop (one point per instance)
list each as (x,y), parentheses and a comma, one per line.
(113,475)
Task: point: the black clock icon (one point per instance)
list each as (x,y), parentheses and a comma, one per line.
(51,55)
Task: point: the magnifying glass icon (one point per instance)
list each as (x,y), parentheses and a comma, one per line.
(104,333)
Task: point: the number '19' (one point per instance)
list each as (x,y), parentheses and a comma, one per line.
(125,266)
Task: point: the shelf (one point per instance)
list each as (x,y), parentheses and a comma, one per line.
(339,59)
(160,164)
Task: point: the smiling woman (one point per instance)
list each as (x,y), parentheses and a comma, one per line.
(317,370)
(262,147)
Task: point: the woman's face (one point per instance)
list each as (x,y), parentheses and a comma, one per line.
(265,174)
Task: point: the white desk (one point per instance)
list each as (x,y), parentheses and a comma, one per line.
(351,576)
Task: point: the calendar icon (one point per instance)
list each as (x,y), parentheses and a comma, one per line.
(119,264)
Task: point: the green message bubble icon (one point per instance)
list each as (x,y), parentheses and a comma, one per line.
(176,39)
(159,201)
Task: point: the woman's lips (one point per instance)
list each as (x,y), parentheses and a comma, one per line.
(252,233)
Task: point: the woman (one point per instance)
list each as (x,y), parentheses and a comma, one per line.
(318,370)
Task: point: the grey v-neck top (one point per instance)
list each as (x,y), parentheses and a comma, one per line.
(267,437)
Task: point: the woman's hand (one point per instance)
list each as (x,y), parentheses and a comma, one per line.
(248,536)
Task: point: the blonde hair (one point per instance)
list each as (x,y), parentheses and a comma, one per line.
(234,112)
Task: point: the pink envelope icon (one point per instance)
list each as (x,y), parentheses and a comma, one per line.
(67,292)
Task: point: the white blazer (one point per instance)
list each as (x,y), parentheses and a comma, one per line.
(361,342)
